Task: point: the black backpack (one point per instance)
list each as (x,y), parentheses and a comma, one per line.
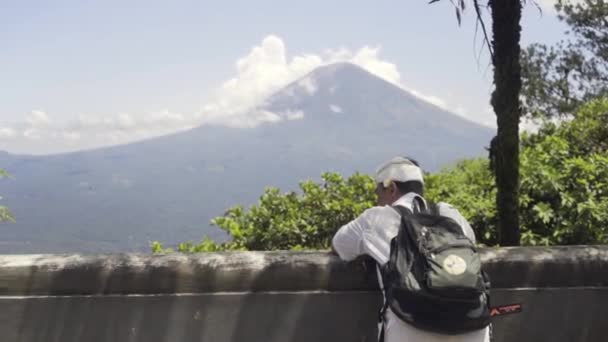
(433,279)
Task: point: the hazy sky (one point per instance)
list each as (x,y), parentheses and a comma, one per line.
(79,74)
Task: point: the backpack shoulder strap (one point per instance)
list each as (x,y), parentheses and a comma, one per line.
(402,211)
(419,204)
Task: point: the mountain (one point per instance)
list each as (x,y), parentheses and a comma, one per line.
(337,118)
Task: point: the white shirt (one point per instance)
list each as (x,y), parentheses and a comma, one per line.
(370,234)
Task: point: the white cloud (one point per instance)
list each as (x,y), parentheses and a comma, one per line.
(7,132)
(166,118)
(37,118)
(125,121)
(335,109)
(71,136)
(265,70)
(368,58)
(293,115)
(126,124)
(32,134)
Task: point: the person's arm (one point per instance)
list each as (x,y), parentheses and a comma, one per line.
(348,241)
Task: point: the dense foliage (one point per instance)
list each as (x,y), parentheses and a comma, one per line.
(564,188)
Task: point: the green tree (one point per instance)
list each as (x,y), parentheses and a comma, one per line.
(564,189)
(5,214)
(505,52)
(558,79)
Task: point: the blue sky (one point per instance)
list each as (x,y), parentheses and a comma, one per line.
(81,74)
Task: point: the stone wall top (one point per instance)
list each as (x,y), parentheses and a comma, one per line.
(516,267)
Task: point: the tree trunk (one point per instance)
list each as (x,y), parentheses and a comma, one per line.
(506,15)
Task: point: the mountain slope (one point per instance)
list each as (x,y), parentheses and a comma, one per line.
(337,118)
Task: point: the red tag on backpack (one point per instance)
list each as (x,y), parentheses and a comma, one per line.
(505,309)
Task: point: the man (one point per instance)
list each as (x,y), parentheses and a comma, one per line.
(399,182)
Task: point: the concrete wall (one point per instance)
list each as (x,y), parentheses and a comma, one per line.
(276,296)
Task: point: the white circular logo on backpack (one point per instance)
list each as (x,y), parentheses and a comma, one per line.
(454,264)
